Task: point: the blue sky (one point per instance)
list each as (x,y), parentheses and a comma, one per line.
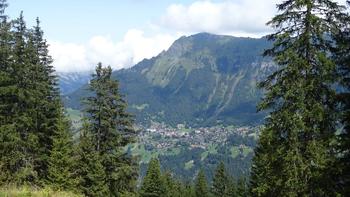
(121,33)
(79,20)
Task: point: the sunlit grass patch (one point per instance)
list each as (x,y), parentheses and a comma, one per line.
(33,192)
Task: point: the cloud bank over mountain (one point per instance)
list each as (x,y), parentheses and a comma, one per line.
(245,18)
(228,17)
(135,46)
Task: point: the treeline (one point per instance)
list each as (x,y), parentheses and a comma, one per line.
(158,184)
(37,148)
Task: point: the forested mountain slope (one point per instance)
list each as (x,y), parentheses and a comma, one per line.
(202,79)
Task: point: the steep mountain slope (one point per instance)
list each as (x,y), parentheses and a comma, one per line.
(72,81)
(202,79)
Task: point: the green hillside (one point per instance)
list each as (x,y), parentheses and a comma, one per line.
(200,80)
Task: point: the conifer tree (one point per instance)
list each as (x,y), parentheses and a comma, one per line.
(242,189)
(342,57)
(220,187)
(10,152)
(201,187)
(61,160)
(188,190)
(38,97)
(110,127)
(47,103)
(263,165)
(23,104)
(302,124)
(168,183)
(172,186)
(232,188)
(15,164)
(153,184)
(90,171)
(30,106)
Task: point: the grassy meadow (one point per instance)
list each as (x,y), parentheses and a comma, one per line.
(32,192)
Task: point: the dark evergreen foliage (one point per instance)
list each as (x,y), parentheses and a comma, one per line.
(90,171)
(295,154)
(242,188)
(10,152)
(31,113)
(153,184)
(173,188)
(342,57)
(110,129)
(48,107)
(61,161)
(201,187)
(221,182)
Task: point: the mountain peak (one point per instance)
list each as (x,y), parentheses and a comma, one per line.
(202,79)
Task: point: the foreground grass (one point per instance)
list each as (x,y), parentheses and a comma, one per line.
(30,192)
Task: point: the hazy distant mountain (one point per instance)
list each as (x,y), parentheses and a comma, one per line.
(202,79)
(72,81)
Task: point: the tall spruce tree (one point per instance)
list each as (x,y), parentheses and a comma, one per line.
(242,188)
(233,189)
(342,57)
(24,103)
(172,186)
(201,186)
(188,190)
(153,184)
(110,127)
(294,156)
(61,161)
(221,180)
(264,164)
(10,151)
(47,104)
(30,106)
(90,171)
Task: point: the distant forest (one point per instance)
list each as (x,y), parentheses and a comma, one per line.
(303,149)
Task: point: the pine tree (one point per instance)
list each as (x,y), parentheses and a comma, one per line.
(30,106)
(47,102)
(23,104)
(188,190)
(172,186)
(90,171)
(263,165)
(201,187)
(242,189)
(220,187)
(60,169)
(153,185)
(10,151)
(233,190)
(38,101)
(301,127)
(342,57)
(111,129)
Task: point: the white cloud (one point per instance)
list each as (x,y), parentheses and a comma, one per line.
(239,17)
(135,46)
(230,17)
(67,56)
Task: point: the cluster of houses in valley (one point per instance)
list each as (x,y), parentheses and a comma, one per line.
(161,136)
